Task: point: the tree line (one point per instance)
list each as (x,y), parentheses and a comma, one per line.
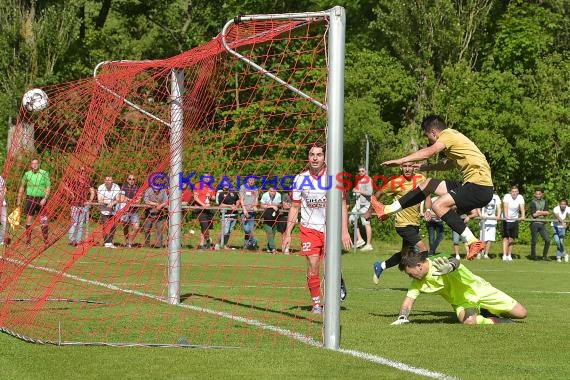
(498,71)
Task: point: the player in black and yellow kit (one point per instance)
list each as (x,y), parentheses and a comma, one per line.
(455,198)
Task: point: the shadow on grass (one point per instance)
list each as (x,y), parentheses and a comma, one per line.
(421,317)
(382,289)
(186,296)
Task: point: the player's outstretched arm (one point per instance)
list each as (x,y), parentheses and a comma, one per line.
(404,312)
(422,154)
(346,240)
(438,166)
(443,265)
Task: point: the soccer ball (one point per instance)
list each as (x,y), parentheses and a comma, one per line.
(35,100)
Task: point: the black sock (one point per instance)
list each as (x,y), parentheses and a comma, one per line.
(414,197)
(393,260)
(454,221)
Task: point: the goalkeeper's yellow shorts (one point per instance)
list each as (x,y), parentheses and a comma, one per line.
(490,298)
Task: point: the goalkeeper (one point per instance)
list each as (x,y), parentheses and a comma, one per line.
(471,296)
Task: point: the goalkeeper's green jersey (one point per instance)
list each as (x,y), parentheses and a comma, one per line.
(457,287)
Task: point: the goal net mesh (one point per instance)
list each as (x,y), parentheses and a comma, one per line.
(71,288)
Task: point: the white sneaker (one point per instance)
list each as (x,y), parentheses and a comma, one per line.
(510,258)
(367,247)
(479,256)
(558,260)
(566,257)
(110,245)
(217,247)
(486,256)
(360,243)
(505,258)
(458,257)
(317,309)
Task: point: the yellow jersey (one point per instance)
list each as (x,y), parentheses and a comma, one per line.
(466,157)
(397,187)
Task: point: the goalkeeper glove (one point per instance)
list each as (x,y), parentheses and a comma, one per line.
(442,266)
(400,321)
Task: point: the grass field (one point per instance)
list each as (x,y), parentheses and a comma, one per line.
(433,343)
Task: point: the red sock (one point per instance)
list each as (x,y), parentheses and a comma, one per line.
(314,284)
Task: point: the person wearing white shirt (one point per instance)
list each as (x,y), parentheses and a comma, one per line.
(513,210)
(108,195)
(559,229)
(362,191)
(489,216)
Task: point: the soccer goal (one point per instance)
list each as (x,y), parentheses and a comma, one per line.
(146,264)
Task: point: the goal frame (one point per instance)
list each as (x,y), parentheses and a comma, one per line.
(334,106)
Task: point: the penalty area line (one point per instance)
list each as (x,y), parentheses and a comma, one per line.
(255,323)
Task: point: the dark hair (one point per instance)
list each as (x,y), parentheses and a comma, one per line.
(410,259)
(539,189)
(435,122)
(318,145)
(563,200)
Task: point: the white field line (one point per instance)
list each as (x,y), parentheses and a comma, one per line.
(252,322)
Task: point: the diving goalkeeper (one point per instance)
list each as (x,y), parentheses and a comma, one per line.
(474,300)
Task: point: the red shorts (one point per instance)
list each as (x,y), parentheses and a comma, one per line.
(312,242)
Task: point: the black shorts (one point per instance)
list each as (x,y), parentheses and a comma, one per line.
(511,229)
(205,217)
(469,196)
(410,235)
(33,206)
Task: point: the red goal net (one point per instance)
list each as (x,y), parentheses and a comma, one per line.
(82,270)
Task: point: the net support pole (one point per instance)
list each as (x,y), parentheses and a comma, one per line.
(335,121)
(174,199)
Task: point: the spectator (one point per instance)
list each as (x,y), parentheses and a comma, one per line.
(229,201)
(362,192)
(130,217)
(270,204)
(109,195)
(187,200)
(513,210)
(248,195)
(539,210)
(187,197)
(311,200)
(469,295)
(156,212)
(283,216)
(204,195)
(559,229)
(4,213)
(456,240)
(489,226)
(37,184)
(78,187)
(434,227)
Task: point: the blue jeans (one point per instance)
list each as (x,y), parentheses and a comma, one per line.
(248,226)
(457,238)
(435,234)
(78,217)
(559,233)
(228,224)
(3,220)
